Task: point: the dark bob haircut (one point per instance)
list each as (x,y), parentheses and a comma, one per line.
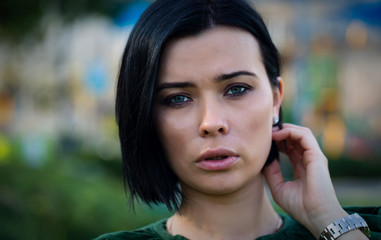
(146,171)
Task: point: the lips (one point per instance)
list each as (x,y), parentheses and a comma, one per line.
(217,159)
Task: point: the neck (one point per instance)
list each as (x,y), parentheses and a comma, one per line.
(244,214)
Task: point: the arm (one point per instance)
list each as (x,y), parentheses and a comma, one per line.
(310,198)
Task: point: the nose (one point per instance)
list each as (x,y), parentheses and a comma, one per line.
(213,122)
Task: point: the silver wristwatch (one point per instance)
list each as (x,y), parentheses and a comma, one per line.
(343,225)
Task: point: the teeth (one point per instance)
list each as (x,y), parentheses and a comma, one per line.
(217,158)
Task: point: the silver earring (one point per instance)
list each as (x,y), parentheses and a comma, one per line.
(275,120)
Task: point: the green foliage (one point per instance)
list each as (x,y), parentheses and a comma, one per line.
(68,198)
(18,18)
(360,168)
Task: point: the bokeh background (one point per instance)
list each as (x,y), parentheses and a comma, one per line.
(60,169)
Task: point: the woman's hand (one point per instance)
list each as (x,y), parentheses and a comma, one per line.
(310,198)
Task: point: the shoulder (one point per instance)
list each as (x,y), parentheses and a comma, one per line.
(293,230)
(149,232)
(133,235)
(365,211)
(154,231)
(290,230)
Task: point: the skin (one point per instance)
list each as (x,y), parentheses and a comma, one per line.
(197,111)
(241,123)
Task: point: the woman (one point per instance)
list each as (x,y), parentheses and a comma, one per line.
(198,107)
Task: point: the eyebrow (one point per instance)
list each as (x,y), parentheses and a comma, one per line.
(228,76)
(219,78)
(175,85)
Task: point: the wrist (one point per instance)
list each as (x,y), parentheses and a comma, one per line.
(319,221)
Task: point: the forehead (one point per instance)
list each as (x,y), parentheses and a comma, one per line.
(220,49)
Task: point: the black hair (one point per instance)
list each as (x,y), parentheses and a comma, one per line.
(146,171)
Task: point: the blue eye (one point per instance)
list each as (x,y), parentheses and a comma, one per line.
(236,91)
(176,100)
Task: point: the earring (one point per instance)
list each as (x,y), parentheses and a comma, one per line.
(275,120)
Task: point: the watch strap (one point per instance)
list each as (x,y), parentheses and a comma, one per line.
(344,225)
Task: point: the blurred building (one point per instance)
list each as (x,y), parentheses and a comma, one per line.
(331,58)
(62,83)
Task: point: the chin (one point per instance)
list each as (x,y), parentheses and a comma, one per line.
(223,184)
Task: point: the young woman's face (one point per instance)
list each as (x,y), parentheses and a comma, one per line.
(214,110)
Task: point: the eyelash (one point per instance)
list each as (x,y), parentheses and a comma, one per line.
(243,87)
(168,101)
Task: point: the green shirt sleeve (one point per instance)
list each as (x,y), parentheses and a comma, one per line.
(372,216)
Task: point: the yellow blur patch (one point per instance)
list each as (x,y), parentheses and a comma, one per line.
(5,150)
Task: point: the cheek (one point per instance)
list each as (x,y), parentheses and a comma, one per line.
(254,128)
(175,132)
(261,116)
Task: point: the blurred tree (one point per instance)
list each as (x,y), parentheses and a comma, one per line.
(19,18)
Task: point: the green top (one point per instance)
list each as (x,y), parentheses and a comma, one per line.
(291,229)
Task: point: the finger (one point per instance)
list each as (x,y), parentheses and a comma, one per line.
(297,146)
(296,160)
(294,155)
(289,134)
(276,128)
(301,138)
(294,152)
(274,176)
(282,146)
(289,144)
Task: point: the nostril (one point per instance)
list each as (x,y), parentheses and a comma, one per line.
(208,130)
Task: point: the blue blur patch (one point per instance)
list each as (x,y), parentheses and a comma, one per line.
(130,15)
(368,12)
(96,77)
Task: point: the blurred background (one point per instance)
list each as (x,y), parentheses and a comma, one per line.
(60,169)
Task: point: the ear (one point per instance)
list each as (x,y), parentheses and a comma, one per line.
(278,96)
